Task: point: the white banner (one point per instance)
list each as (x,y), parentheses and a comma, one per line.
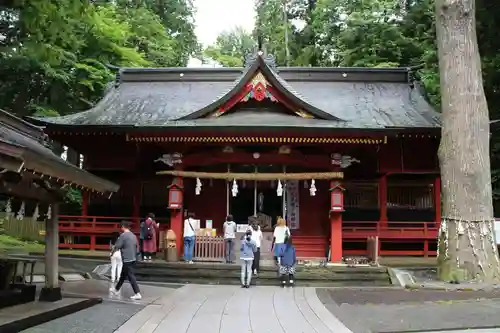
(292,204)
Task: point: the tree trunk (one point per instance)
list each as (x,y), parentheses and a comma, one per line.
(467,247)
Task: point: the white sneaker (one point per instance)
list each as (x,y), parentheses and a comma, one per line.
(254,272)
(114,292)
(191,262)
(136,297)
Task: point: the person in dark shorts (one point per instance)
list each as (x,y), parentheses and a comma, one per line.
(127,245)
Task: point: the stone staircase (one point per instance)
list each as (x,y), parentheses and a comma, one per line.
(229,274)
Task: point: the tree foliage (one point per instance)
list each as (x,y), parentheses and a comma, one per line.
(231,47)
(54,55)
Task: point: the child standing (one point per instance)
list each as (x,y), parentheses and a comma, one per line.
(287,264)
(248,247)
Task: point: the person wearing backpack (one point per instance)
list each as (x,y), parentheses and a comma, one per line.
(148,231)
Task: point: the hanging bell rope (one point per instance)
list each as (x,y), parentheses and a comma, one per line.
(253,176)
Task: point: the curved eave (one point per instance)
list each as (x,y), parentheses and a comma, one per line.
(261,65)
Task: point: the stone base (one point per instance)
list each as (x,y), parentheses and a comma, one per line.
(50,294)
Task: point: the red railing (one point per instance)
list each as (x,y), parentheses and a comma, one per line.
(94,232)
(389,230)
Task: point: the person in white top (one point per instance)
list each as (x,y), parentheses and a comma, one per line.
(257,238)
(229,228)
(116,261)
(189,237)
(280,235)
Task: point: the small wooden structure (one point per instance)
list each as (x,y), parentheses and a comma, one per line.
(30,171)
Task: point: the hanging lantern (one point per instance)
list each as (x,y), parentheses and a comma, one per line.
(211,182)
(175,194)
(312,189)
(234,189)
(305,185)
(337,197)
(243,184)
(279,189)
(272,183)
(197,189)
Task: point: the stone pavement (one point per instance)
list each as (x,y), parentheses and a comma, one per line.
(229,309)
(388,310)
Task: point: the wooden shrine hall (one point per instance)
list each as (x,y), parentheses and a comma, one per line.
(342,153)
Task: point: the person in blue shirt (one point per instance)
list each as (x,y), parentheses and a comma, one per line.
(248,248)
(287,264)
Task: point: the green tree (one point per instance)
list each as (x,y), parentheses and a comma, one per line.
(231,47)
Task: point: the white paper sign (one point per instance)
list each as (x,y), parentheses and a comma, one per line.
(208,224)
(292,204)
(497,231)
(241,227)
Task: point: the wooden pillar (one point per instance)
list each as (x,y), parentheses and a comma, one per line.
(335,228)
(177,220)
(51,292)
(136,205)
(335,237)
(382,200)
(437,200)
(85,203)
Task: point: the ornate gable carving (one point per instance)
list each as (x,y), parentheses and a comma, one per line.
(259,88)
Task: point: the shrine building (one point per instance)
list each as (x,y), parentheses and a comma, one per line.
(342,153)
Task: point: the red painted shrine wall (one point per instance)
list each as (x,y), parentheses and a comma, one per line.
(210,204)
(314,220)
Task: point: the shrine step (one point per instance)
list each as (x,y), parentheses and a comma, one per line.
(310,246)
(206,273)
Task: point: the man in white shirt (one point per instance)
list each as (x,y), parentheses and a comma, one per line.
(229,238)
(257,238)
(189,236)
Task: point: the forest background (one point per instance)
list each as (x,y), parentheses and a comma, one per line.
(55,56)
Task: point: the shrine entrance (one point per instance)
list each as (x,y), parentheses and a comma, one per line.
(255,198)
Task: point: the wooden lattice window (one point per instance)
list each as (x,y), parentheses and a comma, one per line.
(361,195)
(410,196)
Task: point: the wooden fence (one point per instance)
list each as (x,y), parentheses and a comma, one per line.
(26,229)
(209,248)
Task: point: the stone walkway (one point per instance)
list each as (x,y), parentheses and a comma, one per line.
(229,309)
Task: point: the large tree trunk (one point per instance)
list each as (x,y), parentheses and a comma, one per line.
(467,247)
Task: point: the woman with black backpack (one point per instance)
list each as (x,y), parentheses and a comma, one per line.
(148,231)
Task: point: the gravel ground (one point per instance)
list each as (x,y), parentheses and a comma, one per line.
(102,318)
(398,310)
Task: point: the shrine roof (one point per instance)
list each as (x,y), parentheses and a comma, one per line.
(365,98)
(24,146)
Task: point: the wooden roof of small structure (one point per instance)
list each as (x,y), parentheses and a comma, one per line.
(329,98)
(25,150)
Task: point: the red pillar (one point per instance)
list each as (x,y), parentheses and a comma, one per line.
(437,200)
(335,226)
(335,237)
(177,221)
(382,199)
(85,203)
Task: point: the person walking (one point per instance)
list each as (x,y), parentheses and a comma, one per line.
(247,250)
(281,232)
(149,233)
(116,260)
(229,228)
(127,245)
(189,237)
(257,238)
(287,263)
